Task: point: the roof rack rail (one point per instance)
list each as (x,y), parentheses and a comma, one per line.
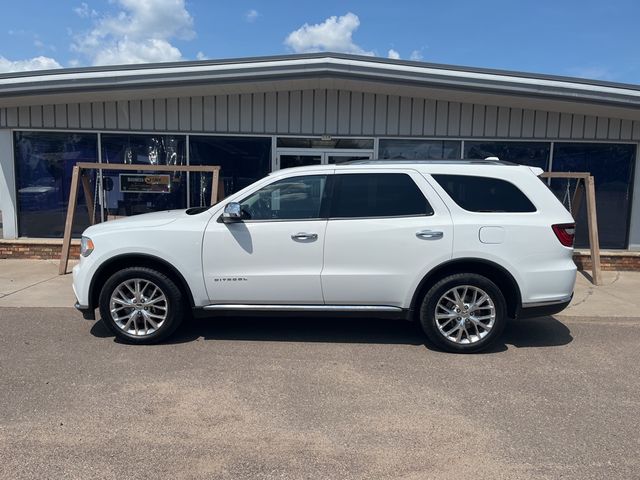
(486,161)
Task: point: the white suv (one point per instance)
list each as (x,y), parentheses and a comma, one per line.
(460,246)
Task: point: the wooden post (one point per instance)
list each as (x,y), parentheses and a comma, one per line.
(214,186)
(594,242)
(88,197)
(68,224)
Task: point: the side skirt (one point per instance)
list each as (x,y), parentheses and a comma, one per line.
(373,311)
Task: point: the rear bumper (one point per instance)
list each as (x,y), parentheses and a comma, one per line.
(543,309)
(88,313)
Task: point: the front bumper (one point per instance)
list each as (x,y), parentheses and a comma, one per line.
(88,313)
(543,309)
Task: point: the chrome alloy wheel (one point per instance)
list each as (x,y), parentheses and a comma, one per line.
(465,314)
(138,307)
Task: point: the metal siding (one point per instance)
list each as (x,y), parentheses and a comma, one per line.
(429,118)
(306,122)
(577,127)
(540,125)
(147,115)
(234,113)
(625,130)
(442,118)
(3,117)
(209,113)
(406,116)
(504,114)
(477,129)
(553,124)
(283,113)
(110,115)
(60,114)
(295,111)
(173,116)
(270,107)
(85,116)
(135,115)
(393,115)
(159,114)
(245,112)
(590,127)
(565,125)
(515,123)
(355,122)
(368,113)
(490,121)
(331,127)
(380,120)
(602,128)
(197,114)
(257,114)
(528,120)
(97,112)
(24,117)
(614,129)
(636,130)
(417,116)
(36,116)
(73,115)
(184,114)
(344,106)
(12,117)
(466,119)
(222,118)
(319,111)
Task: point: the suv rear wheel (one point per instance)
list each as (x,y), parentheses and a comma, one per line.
(141,305)
(463,313)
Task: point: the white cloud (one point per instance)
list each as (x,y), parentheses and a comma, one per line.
(84,11)
(393,54)
(252,15)
(140,32)
(416,55)
(201,56)
(35,63)
(334,34)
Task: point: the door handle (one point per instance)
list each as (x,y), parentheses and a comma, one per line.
(430,234)
(304,236)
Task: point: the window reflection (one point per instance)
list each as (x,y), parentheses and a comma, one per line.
(534,154)
(398,149)
(120,200)
(44,167)
(243,160)
(612,168)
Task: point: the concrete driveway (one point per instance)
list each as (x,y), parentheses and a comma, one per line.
(316,398)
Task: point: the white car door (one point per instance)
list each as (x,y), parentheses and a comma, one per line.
(274,255)
(387,229)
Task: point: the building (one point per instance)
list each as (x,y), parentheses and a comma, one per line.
(254,115)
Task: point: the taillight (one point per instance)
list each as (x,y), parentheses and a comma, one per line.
(565,232)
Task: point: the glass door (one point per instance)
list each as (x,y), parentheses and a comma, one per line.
(288,158)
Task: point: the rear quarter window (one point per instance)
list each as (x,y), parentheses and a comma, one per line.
(485,194)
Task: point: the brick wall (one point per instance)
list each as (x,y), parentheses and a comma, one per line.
(37,250)
(618,261)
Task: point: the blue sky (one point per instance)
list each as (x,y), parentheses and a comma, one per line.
(592,39)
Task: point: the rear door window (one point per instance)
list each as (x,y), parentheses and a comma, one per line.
(485,194)
(362,195)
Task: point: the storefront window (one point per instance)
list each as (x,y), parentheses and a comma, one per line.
(396,149)
(243,160)
(612,168)
(44,166)
(122,196)
(534,154)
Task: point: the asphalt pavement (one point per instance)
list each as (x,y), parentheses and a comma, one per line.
(316,398)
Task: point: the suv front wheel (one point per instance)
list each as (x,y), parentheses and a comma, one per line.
(141,305)
(463,313)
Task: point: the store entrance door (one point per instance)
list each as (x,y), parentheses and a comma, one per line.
(287,158)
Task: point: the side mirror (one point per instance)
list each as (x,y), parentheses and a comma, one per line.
(232,213)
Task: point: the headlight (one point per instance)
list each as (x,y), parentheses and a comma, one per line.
(86,246)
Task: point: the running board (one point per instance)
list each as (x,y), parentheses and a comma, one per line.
(305,308)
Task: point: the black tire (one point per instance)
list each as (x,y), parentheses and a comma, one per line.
(428,311)
(175,304)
